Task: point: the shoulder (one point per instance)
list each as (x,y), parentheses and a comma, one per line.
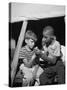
(55,49)
(56,44)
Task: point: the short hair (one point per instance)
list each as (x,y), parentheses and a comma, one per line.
(50,29)
(30,35)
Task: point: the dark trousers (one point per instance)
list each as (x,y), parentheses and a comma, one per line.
(49,73)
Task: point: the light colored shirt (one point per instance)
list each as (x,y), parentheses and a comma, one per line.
(53,49)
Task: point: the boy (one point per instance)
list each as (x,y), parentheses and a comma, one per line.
(27,54)
(51,54)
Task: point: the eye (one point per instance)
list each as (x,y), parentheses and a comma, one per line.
(32,41)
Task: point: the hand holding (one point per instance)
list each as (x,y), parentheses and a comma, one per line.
(37,51)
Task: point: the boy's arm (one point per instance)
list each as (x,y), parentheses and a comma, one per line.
(52,57)
(48,58)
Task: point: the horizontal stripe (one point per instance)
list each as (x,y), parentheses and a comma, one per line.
(24,53)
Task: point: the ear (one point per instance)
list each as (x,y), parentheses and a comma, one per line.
(26,40)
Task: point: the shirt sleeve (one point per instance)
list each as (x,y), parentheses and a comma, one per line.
(55,50)
(22,54)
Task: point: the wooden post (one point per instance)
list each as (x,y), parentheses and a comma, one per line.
(16,55)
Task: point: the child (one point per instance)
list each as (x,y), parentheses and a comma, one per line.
(51,54)
(28,55)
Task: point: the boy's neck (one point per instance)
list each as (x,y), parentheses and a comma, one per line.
(54,39)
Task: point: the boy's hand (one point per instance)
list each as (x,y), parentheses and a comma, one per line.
(37,51)
(43,55)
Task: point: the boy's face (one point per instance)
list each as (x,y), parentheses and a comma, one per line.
(46,37)
(30,43)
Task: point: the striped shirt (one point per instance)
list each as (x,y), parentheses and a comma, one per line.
(25,54)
